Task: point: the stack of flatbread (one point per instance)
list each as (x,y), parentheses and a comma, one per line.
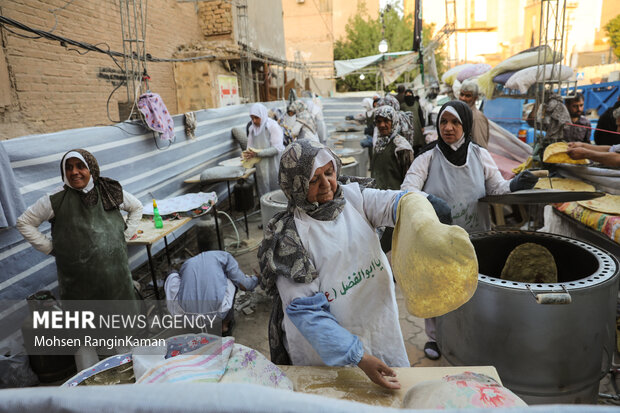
(557,153)
(564,184)
(608,204)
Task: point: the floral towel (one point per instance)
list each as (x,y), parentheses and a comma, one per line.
(191,358)
(606,224)
(460,391)
(156,115)
(247,365)
(195,358)
(201,201)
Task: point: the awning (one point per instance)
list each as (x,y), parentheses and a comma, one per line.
(344,67)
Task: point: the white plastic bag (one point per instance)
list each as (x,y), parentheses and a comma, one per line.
(524,78)
(516,62)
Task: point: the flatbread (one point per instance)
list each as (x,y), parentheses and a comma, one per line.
(530,263)
(564,184)
(608,204)
(249,163)
(434,264)
(346,160)
(557,153)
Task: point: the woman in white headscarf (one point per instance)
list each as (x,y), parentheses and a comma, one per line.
(265,141)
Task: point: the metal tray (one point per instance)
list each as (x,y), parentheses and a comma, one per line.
(541,196)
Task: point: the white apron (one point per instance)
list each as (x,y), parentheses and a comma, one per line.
(356,278)
(267,168)
(461,187)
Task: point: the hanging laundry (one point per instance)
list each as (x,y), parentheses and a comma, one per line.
(156,115)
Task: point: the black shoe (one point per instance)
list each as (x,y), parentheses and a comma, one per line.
(431,351)
(260,226)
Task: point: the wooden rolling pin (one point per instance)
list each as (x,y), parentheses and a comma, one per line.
(541,173)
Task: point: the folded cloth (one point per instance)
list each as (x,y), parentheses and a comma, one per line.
(156,115)
(181,203)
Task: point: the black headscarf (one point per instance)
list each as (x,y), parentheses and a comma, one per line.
(111,190)
(409,99)
(458,157)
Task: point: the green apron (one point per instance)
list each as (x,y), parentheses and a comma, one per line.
(90,249)
(385,168)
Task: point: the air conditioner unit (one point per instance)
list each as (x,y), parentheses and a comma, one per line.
(301,1)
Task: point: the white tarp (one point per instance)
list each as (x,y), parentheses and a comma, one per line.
(391,69)
(344,67)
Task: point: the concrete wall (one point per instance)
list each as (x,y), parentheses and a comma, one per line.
(266,29)
(51,88)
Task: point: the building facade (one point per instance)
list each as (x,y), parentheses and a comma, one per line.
(49,85)
(311,27)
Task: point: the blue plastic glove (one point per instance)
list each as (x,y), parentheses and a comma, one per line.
(442,209)
(525,180)
(366,143)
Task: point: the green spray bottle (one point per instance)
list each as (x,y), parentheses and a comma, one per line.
(156,217)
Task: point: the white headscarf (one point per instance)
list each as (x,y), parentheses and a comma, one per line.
(453,111)
(322,158)
(90,185)
(367,105)
(258,110)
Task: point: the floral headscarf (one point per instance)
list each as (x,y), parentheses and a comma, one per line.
(302,115)
(389,113)
(282,253)
(390,101)
(111,190)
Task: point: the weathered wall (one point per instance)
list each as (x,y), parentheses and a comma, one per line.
(53,88)
(265,28)
(215,18)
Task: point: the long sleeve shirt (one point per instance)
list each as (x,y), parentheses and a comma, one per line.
(308,308)
(28,223)
(203,282)
(418,172)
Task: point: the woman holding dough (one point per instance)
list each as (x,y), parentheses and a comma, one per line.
(460,172)
(266,137)
(334,296)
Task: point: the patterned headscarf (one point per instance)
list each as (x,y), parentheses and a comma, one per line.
(111,190)
(303,115)
(282,253)
(389,113)
(390,101)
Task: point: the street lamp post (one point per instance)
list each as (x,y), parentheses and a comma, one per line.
(383,44)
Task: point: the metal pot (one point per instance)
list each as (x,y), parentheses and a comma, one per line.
(347,140)
(550,343)
(270,204)
(360,155)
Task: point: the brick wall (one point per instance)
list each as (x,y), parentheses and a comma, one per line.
(215,18)
(54,88)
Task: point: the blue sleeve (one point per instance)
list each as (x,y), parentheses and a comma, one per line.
(234,274)
(396,201)
(335,345)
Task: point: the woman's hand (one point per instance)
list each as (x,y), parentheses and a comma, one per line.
(248,155)
(378,372)
(577,152)
(576,145)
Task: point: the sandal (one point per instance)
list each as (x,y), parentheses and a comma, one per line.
(431,351)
